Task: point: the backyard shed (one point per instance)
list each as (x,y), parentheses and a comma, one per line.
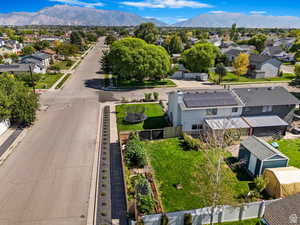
(282,182)
(259,155)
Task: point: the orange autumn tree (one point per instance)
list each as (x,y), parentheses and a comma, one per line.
(241,64)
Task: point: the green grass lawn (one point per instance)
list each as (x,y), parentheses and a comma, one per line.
(63,65)
(232,78)
(291,148)
(47,80)
(145,84)
(244,222)
(173,165)
(155,119)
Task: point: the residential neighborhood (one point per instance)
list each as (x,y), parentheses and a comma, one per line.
(111,116)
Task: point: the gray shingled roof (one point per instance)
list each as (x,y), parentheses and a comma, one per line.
(210,98)
(274,50)
(266,96)
(261,149)
(258,59)
(282,212)
(265,121)
(14,68)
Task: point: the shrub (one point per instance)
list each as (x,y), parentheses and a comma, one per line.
(145,204)
(142,185)
(192,143)
(135,152)
(155,95)
(148,97)
(188,220)
(260,184)
(164,220)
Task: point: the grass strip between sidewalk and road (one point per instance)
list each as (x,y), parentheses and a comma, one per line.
(61,83)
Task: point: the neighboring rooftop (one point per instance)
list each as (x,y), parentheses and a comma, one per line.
(258,59)
(14,68)
(210,98)
(261,149)
(284,212)
(266,96)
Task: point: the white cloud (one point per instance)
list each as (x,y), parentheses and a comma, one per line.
(217,12)
(258,12)
(78,3)
(166,4)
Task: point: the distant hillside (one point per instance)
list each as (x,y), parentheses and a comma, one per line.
(71,15)
(242,20)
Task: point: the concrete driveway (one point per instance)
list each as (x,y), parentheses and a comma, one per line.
(46,181)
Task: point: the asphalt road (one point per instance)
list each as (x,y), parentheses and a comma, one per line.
(46,181)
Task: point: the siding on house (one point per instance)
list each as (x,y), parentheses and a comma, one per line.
(281,110)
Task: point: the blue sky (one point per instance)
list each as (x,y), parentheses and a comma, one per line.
(169,11)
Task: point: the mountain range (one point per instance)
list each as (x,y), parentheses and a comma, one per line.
(73,15)
(242,20)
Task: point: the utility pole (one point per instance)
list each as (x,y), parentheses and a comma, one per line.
(31,77)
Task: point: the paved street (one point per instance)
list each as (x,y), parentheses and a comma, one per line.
(46,181)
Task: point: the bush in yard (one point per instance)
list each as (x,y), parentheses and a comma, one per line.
(135,114)
(164,220)
(155,95)
(148,97)
(260,184)
(188,219)
(145,204)
(142,185)
(192,143)
(135,152)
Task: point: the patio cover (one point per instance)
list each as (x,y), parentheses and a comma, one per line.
(265,121)
(226,123)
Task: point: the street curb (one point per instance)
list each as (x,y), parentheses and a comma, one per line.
(13,146)
(92,208)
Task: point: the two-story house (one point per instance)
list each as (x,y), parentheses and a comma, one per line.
(262,111)
(263,66)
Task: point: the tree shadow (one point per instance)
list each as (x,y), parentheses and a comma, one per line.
(155,122)
(239,170)
(95,83)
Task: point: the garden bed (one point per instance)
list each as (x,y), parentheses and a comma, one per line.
(155,118)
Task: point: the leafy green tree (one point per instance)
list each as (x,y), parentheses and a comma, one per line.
(105,63)
(147,32)
(135,152)
(176,45)
(221,71)
(76,38)
(67,49)
(297,70)
(92,37)
(28,50)
(110,39)
(295,47)
(200,57)
(258,41)
(233,32)
(40,45)
(134,59)
(18,100)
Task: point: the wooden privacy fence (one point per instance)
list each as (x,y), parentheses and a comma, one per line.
(221,214)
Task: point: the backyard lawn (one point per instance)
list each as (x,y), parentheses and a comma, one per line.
(145,84)
(173,165)
(232,78)
(291,148)
(63,65)
(47,80)
(155,119)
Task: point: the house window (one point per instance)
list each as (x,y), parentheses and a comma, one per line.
(197,127)
(267,108)
(211,112)
(235,110)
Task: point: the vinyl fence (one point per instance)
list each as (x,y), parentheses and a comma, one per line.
(222,214)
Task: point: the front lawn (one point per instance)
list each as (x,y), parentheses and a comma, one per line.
(62,65)
(172,165)
(145,84)
(155,120)
(291,148)
(47,80)
(232,78)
